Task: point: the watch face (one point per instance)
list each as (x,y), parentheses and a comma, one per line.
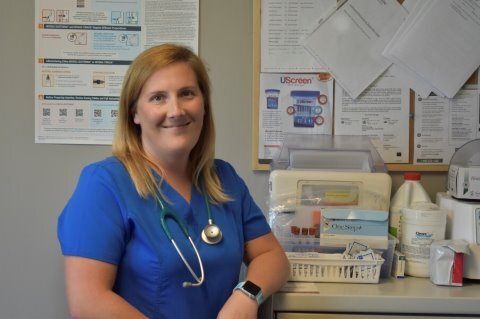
(251,288)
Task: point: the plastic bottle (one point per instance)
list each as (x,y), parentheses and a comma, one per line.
(422,224)
(411,191)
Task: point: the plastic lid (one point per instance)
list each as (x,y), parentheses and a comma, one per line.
(412,176)
(424,211)
(328,152)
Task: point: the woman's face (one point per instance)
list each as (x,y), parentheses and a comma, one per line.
(170,112)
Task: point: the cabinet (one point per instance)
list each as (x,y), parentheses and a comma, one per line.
(357,316)
(403,298)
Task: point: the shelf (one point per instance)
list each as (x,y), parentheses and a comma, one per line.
(416,168)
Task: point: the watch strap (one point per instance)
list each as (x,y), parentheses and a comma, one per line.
(243,286)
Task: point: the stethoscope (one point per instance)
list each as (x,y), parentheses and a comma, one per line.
(211,234)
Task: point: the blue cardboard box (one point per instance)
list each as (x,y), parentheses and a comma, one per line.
(339,226)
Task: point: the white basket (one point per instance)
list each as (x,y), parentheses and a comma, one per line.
(317,269)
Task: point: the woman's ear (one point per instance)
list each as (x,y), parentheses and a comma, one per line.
(135,118)
(133,111)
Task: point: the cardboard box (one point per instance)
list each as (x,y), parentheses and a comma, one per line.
(339,226)
(398,267)
(464,182)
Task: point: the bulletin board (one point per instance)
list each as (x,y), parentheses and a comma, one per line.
(264,165)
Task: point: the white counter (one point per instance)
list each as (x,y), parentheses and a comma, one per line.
(392,296)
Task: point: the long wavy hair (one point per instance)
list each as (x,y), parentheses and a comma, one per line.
(127,143)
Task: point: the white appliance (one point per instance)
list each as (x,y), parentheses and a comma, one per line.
(463,222)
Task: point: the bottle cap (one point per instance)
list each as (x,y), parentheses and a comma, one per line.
(412,176)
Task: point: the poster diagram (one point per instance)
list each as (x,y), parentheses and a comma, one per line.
(82,51)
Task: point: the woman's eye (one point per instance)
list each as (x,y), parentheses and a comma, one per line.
(187,93)
(158,98)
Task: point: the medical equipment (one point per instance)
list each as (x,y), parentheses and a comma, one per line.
(462,202)
(463,222)
(211,234)
(464,172)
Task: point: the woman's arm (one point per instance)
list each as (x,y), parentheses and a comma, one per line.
(89,285)
(268,268)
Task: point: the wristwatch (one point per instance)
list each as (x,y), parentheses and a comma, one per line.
(251,290)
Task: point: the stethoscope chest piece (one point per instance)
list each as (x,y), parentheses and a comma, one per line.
(212,234)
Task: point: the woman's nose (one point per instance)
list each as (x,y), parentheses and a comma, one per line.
(175,107)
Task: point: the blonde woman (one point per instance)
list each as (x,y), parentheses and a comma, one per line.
(161,228)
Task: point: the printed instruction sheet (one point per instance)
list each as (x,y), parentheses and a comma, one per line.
(380,112)
(284,25)
(442,125)
(82,51)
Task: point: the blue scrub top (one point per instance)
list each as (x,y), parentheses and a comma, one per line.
(106,219)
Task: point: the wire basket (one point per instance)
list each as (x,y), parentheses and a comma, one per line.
(311,267)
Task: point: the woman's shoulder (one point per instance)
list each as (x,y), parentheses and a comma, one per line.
(110,166)
(223,167)
(226,172)
(109,163)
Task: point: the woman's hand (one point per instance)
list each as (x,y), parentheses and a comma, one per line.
(239,306)
(268,267)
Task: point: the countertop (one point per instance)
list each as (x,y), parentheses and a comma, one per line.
(407,295)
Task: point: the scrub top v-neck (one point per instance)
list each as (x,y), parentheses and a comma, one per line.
(106,220)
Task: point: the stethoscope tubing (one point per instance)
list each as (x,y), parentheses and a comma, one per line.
(187,264)
(164,214)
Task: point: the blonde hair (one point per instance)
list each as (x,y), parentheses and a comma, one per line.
(127,143)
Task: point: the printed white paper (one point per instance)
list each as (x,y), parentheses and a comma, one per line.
(350,43)
(440,43)
(380,112)
(442,125)
(284,24)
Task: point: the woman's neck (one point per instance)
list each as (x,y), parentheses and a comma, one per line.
(177,175)
(182,184)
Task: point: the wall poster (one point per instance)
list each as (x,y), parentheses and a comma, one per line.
(82,51)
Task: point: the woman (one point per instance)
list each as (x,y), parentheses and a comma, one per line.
(116,231)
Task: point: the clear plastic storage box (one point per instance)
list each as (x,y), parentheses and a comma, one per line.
(325,193)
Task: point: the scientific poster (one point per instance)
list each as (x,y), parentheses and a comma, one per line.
(82,51)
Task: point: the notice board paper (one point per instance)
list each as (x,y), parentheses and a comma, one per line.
(440,43)
(350,42)
(380,112)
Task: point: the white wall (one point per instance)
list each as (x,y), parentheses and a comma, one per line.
(37,179)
